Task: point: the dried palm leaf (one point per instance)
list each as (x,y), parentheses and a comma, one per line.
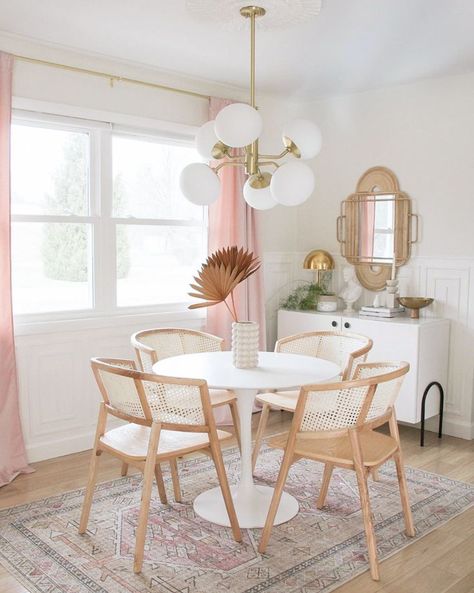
(222,271)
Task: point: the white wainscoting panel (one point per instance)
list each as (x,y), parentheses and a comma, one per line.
(450,281)
(58,395)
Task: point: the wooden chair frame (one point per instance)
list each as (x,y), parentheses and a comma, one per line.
(355,434)
(150,464)
(290,406)
(140,348)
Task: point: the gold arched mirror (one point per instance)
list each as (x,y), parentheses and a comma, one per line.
(374,227)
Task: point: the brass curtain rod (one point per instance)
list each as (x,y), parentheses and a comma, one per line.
(110,77)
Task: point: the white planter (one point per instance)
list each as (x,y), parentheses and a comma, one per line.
(245,344)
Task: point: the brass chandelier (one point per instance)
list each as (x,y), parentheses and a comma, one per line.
(238,126)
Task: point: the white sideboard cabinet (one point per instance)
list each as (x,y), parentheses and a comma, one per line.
(421,342)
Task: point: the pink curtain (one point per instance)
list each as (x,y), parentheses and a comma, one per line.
(233,222)
(12,448)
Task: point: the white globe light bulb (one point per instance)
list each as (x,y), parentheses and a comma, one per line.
(199,184)
(305,135)
(206,139)
(238,125)
(292,183)
(259,198)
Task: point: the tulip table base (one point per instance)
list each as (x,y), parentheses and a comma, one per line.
(251,501)
(251,505)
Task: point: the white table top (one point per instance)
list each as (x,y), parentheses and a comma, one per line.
(275,370)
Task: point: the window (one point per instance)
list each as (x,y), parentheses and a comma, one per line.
(99,224)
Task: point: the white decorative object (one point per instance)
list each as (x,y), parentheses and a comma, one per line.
(238,125)
(424,343)
(277,370)
(245,344)
(292,183)
(199,184)
(206,139)
(306,135)
(281,14)
(352,289)
(377,301)
(327,303)
(392,294)
(260,199)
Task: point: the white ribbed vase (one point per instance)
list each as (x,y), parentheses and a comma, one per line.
(245,344)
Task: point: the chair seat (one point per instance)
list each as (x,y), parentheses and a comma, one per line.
(132,440)
(283,400)
(220,397)
(376,448)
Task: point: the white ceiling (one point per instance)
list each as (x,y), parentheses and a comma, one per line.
(352,45)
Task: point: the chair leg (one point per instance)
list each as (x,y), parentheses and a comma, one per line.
(402,481)
(260,432)
(375,474)
(325,485)
(235,419)
(148,475)
(361,474)
(224,485)
(272,511)
(175,480)
(91,480)
(402,485)
(160,484)
(124,470)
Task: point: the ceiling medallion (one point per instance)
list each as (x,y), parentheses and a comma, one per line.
(239,126)
(280,14)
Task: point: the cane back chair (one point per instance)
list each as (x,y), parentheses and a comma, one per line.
(167,418)
(344,349)
(334,423)
(152,345)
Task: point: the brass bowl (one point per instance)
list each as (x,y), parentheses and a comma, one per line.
(415,304)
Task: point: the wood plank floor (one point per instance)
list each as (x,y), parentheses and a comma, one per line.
(441,562)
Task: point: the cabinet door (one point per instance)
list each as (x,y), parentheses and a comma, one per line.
(296,322)
(394,341)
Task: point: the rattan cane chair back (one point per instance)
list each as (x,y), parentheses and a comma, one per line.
(143,397)
(346,404)
(152,345)
(344,349)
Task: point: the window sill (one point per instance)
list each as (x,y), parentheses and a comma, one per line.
(88,321)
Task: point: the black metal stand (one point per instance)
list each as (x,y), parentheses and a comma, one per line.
(441,407)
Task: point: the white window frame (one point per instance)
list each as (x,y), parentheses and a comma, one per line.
(103,258)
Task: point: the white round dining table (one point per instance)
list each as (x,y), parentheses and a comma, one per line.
(275,370)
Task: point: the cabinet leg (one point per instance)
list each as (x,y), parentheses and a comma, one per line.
(441,408)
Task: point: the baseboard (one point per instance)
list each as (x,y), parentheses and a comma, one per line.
(65,445)
(60,447)
(452,426)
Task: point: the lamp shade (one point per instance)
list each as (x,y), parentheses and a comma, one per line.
(199,184)
(238,125)
(292,183)
(305,135)
(259,198)
(206,139)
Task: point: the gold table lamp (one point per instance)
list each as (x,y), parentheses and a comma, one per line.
(320,261)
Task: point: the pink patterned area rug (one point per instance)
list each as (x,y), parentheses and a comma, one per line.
(315,552)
